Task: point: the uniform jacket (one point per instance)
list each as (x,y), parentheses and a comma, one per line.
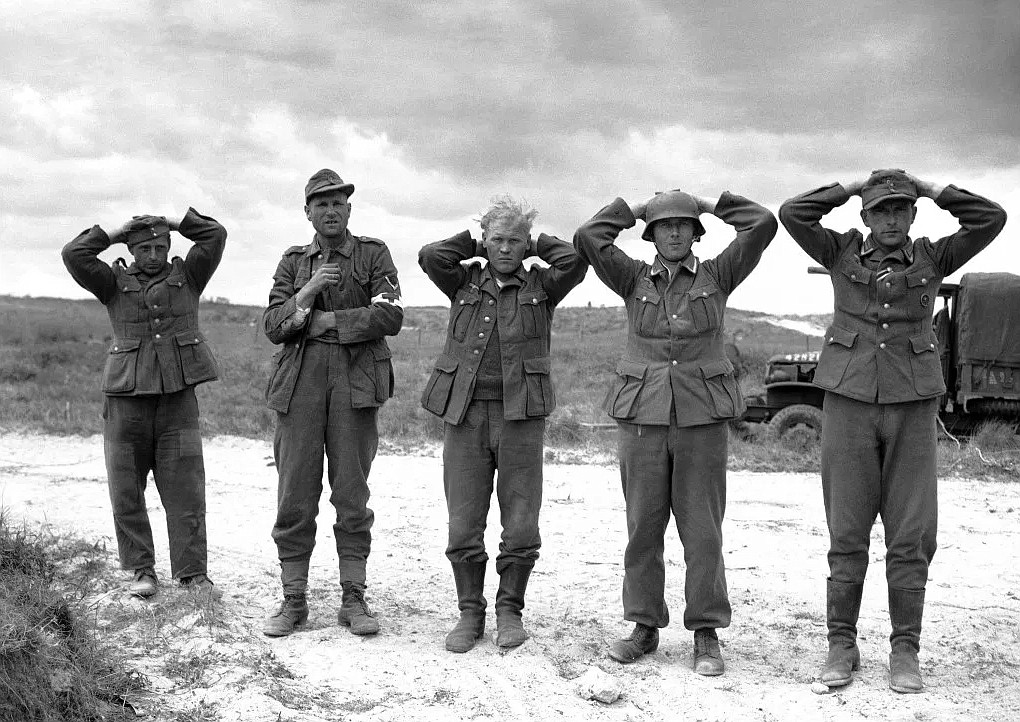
(157,347)
(362,319)
(525,324)
(881,347)
(675,358)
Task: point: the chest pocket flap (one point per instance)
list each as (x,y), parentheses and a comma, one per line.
(840,337)
(532,296)
(856,273)
(919,277)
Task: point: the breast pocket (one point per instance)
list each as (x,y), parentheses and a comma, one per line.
(922,290)
(852,287)
(461,313)
(835,358)
(706,306)
(622,396)
(647,312)
(532,304)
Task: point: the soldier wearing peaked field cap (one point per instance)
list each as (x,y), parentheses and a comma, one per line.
(332,304)
(882,377)
(671,396)
(158,356)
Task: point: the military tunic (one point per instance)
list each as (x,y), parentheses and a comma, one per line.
(672,394)
(150,413)
(485,434)
(881,371)
(327,391)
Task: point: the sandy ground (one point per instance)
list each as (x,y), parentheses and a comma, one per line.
(214,663)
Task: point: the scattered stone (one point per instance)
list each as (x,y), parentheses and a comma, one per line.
(596,684)
(819,688)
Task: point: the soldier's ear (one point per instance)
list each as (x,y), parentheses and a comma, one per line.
(308,213)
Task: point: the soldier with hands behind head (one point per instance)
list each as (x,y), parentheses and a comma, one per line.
(492,387)
(672,395)
(882,377)
(157,358)
(333,303)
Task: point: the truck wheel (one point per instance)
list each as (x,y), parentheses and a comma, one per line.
(799,425)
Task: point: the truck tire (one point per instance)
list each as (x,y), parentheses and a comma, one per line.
(798,425)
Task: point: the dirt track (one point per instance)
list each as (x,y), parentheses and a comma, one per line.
(219,665)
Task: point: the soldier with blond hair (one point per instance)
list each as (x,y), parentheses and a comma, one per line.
(492,386)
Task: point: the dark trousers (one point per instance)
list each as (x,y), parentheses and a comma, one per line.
(321,418)
(683,470)
(158,434)
(879,459)
(472,451)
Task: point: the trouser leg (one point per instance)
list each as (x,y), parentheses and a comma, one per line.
(851,483)
(128,448)
(518,487)
(469,462)
(352,439)
(298,450)
(699,504)
(645,472)
(909,505)
(180,478)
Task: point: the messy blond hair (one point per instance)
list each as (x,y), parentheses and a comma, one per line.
(509,210)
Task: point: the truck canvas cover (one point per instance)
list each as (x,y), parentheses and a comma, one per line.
(988,319)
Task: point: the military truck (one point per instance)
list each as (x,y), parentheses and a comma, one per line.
(978,330)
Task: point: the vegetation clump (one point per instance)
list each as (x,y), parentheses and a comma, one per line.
(51,664)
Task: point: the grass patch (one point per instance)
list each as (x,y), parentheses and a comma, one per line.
(52,666)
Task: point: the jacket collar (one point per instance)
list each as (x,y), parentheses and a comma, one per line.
(904,252)
(488,281)
(319,245)
(690,262)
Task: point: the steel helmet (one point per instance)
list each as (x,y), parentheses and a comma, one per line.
(672,204)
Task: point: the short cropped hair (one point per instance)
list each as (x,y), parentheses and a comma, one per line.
(510,211)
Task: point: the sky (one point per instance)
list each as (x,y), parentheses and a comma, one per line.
(110,109)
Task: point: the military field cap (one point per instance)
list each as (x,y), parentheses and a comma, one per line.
(146,228)
(327,180)
(887,185)
(671,204)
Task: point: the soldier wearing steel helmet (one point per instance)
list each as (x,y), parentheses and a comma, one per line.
(673,392)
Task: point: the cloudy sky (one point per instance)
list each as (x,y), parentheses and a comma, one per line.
(110,109)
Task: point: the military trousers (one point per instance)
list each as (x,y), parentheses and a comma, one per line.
(683,470)
(879,460)
(473,451)
(322,424)
(157,433)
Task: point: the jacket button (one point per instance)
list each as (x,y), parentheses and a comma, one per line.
(114,348)
(674,362)
(704,293)
(885,325)
(881,345)
(931,345)
(924,280)
(155,305)
(644,298)
(196,340)
(888,285)
(481,334)
(462,302)
(155,320)
(158,336)
(885,305)
(475,352)
(674,315)
(534,300)
(491,302)
(831,339)
(853,276)
(487,319)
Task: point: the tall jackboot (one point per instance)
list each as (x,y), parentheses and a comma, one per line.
(469,577)
(842,607)
(906,607)
(293,612)
(513,581)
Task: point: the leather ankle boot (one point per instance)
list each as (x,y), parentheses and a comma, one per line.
(641,641)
